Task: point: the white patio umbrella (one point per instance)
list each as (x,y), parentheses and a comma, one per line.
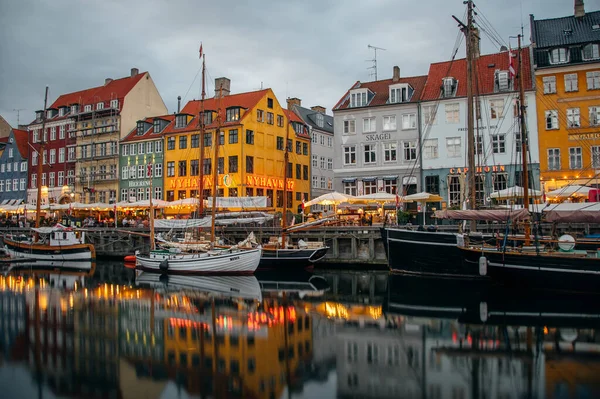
(422,197)
(380,196)
(569,191)
(514,192)
(333,198)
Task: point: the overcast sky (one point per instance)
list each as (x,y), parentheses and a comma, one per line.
(313,50)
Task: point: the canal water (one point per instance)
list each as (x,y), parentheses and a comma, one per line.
(115,333)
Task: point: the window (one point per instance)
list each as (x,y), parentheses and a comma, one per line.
(410,150)
(429,114)
(595,152)
(496,108)
(221,165)
(141,171)
(573,117)
(349,127)
(52,156)
(53,133)
(280,143)
(551,119)
(125,172)
(390,152)
(156,125)
(549,83)
(260,115)
(500,181)
(432,184)
(399,94)
(171,169)
(329,142)
(182,142)
(194,167)
(194,141)
(559,56)
(9,185)
(114,103)
(61,155)
(206,166)
(593,80)
(594,117)
(502,81)
(389,122)
(207,140)
(298,171)
(182,168)
(222,138)
(141,148)
(479,144)
(233,136)
(51,180)
(140,128)
(449,86)
(180,121)
(430,149)
(71,154)
(452,113)
(358,99)
(157,192)
(249,137)
(330,163)
(280,120)
(591,51)
(498,143)
(158,169)
(35,136)
(369,154)
(305,172)
(125,149)
(34,159)
(369,186)
(369,125)
(170,144)
(453,147)
(61,132)
(322,159)
(233,164)
(22,182)
(315,181)
(350,155)
(270,118)
(409,121)
(304,148)
(454,190)
(571,82)
(350,187)
(34,180)
(575,160)
(232,114)
(23,166)
(1,186)
(372,353)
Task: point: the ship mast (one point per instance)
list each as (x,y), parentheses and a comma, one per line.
(522,112)
(286,159)
(201,161)
(39,168)
(215,171)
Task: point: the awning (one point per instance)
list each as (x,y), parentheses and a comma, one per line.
(390,177)
(369,178)
(349,180)
(409,180)
(5,202)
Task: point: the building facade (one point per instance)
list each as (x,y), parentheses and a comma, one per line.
(376,136)
(13,168)
(320,127)
(497,139)
(566,61)
(253,128)
(141,158)
(5,127)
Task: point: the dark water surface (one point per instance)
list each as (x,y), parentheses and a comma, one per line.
(328,334)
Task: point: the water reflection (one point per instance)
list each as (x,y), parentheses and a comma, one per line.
(111,332)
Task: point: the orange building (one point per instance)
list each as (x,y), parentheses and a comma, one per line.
(567,72)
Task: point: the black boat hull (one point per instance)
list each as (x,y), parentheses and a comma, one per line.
(524,270)
(290,258)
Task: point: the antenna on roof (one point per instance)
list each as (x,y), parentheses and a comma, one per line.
(374,60)
(18,111)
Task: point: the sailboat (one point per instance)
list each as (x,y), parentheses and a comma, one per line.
(58,243)
(279,254)
(543,266)
(219,259)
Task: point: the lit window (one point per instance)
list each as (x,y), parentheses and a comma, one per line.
(575,158)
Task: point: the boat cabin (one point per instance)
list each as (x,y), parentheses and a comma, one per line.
(61,237)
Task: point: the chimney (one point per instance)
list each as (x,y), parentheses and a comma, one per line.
(396,76)
(475,44)
(318,108)
(107,81)
(579,9)
(293,101)
(134,72)
(178,103)
(222,87)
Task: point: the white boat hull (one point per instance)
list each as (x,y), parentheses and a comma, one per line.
(226,262)
(42,252)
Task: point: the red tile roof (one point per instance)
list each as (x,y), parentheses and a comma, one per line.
(116,89)
(381,90)
(485,68)
(149,134)
(21,140)
(295,118)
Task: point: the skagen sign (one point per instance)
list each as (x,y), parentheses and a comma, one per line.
(378,137)
(480,169)
(584,136)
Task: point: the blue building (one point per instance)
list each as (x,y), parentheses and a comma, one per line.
(13,168)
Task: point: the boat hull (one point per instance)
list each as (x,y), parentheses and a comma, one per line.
(291,258)
(428,253)
(43,252)
(526,270)
(235,263)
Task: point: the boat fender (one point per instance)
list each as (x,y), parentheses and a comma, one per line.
(483,311)
(482,265)
(164,265)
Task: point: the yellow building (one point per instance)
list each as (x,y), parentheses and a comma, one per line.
(253,128)
(567,73)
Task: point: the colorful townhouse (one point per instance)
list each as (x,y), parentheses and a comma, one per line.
(376,136)
(443,134)
(566,63)
(13,168)
(252,130)
(141,160)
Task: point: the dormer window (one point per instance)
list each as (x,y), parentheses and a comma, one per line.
(61,111)
(591,51)
(449,86)
(140,128)
(320,120)
(232,114)
(559,56)
(39,115)
(501,81)
(157,126)
(100,106)
(114,103)
(180,121)
(298,127)
(400,93)
(208,117)
(74,108)
(358,98)
(49,114)
(87,108)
